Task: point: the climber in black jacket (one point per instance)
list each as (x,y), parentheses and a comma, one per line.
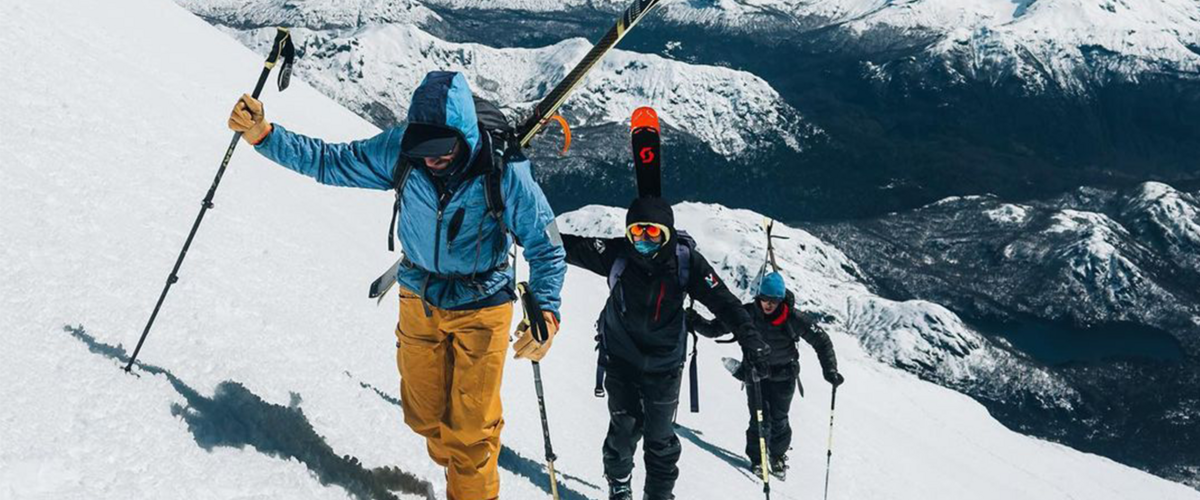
(643,339)
(781,327)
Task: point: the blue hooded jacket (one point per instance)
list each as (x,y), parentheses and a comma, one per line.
(425,230)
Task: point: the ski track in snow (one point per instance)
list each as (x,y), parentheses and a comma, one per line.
(104,158)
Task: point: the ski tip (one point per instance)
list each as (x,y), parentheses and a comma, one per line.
(644,117)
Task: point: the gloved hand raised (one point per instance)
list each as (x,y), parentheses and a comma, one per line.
(248,118)
(528,347)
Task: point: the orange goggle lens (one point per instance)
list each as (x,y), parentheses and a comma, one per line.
(647,229)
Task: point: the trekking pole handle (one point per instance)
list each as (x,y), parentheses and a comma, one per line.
(281,47)
(533,313)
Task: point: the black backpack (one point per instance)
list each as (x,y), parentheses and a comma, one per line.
(499,137)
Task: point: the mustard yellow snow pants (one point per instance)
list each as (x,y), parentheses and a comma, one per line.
(451,363)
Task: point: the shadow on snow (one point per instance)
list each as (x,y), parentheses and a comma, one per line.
(736,460)
(235,417)
(514,462)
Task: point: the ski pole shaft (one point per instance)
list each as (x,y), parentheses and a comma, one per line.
(537,325)
(550,104)
(764,465)
(829,449)
(550,458)
(282,44)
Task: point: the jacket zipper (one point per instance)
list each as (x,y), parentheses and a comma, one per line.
(662,290)
(437,235)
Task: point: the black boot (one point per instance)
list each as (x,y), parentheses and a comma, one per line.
(620,490)
(779,467)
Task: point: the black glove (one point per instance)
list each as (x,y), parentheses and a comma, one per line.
(756,353)
(694,319)
(756,349)
(835,378)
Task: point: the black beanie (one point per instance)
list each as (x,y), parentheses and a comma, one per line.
(654,210)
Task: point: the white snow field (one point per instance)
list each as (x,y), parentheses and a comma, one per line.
(270,375)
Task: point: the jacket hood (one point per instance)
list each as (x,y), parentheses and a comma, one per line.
(443,101)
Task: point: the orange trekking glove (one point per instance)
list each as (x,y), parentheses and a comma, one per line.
(248,118)
(529,348)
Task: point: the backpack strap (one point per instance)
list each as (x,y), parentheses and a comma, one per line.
(683,260)
(400,174)
(694,368)
(493,184)
(614,274)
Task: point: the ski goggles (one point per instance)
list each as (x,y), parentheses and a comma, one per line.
(649,230)
(771,301)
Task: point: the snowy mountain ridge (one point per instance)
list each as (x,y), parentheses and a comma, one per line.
(1067,45)
(374,69)
(321,15)
(1162,212)
(1098,284)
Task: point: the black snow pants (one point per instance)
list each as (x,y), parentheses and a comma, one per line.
(777,401)
(643,405)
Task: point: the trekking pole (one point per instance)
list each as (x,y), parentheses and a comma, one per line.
(537,325)
(281,47)
(762,440)
(829,450)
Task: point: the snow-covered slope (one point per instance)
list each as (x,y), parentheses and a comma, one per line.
(269,375)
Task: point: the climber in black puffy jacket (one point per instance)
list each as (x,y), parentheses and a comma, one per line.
(775,318)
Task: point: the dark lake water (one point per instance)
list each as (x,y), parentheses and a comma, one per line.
(1057,343)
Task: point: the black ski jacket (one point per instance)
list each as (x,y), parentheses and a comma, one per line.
(781,331)
(642,324)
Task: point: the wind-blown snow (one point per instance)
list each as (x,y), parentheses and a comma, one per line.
(270,375)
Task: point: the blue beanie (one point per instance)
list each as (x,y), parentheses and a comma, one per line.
(772,287)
